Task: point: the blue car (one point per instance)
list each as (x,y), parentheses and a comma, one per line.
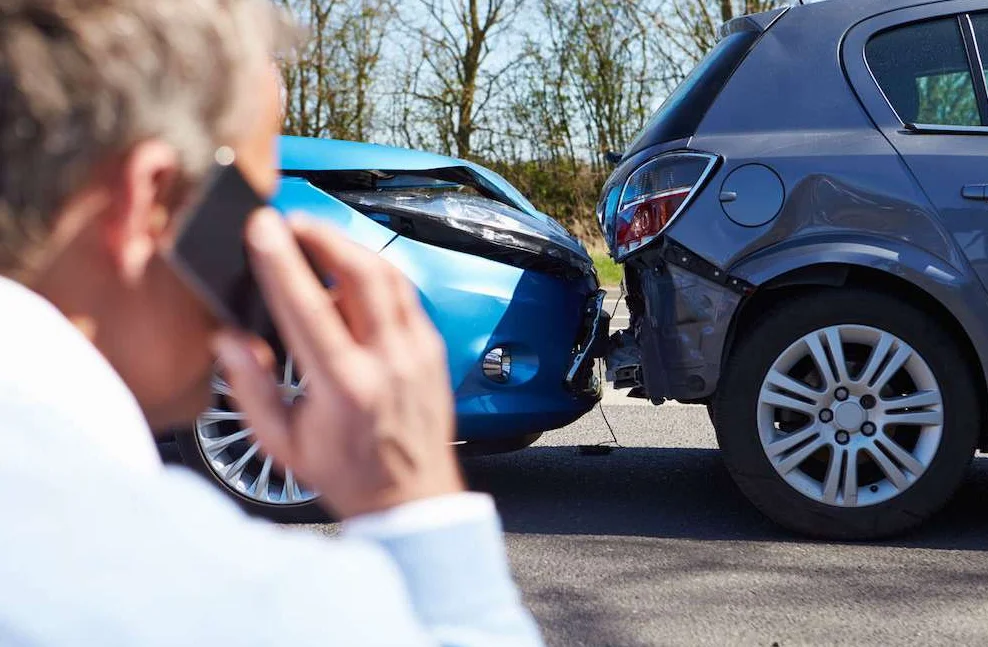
(514,295)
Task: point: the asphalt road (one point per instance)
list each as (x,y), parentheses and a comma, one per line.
(653,545)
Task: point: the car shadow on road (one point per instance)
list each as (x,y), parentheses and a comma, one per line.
(673,493)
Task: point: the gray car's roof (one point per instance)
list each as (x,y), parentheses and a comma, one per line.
(849,11)
(878,4)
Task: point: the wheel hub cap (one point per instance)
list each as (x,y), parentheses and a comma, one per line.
(849,416)
(811,419)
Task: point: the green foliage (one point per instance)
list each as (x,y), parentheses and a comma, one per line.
(948,98)
(609,272)
(566,192)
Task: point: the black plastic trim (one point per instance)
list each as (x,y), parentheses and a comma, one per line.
(679,256)
(935,129)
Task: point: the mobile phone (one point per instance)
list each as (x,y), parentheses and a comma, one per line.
(209,254)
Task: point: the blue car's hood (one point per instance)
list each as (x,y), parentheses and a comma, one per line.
(307,154)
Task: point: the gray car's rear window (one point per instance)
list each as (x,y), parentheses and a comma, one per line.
(924,72)
(681,113)
(980,22)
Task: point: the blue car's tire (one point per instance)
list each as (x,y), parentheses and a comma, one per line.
(193,458)
(221,447)
(834,455)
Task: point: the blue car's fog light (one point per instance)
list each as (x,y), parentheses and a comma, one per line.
(497,365)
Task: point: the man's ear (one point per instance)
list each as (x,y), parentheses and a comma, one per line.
(141,207)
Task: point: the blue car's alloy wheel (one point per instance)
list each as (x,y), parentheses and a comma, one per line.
(222,447)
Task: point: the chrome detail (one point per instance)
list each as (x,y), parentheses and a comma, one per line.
(497,365)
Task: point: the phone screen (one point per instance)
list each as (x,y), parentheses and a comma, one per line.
(209,253)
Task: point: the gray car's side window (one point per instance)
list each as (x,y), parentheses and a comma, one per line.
(980,22)
(924,72)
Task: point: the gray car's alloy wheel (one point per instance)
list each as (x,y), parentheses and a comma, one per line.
(222,446)
(850,430)
(847,414)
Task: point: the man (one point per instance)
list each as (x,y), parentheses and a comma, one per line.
(110,112)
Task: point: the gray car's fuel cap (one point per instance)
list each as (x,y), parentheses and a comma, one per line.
(752,195)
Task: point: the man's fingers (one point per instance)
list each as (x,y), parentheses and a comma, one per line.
(257,395)
(407,301)
(366,291)
(299,303)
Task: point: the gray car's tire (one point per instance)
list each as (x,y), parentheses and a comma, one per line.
(923,463)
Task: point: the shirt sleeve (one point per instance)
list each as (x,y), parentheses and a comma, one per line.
(451,554)
(422,516)
(432,573)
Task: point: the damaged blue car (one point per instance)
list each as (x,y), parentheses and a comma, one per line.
(513,294)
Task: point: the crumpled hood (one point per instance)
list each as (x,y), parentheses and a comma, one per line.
(326,166)
(308,154)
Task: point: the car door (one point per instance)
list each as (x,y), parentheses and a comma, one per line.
(921,76)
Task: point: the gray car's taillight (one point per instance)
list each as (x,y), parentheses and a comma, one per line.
(655,194)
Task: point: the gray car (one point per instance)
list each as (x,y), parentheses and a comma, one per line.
(803,227)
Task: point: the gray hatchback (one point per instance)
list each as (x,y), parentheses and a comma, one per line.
(804,229)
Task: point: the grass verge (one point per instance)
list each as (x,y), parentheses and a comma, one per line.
(609,272)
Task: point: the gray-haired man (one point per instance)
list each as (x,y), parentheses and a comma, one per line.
(110,112)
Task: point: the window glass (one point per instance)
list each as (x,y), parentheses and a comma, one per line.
(981,31)
(681,113)
(924,72)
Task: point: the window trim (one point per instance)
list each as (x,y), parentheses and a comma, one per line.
(975,69)
(938,129)
(862,82)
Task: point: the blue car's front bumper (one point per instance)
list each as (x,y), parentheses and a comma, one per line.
(477,305)
(552,327)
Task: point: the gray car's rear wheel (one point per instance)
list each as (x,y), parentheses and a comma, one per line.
(222,447)
(847,414)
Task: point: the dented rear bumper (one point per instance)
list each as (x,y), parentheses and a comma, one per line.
(681,314)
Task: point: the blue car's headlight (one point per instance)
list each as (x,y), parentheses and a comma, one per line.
(468,222)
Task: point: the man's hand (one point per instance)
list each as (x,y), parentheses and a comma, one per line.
(375,425)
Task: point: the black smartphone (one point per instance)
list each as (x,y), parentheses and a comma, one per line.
(209,254)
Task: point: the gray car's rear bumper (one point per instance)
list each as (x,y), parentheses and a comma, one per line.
(680,337)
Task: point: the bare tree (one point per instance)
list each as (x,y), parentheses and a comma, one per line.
(330,79)
(691,27)
(364,35)
(589,83)
(611,72)
(540,118)
(457,39)
(537,89)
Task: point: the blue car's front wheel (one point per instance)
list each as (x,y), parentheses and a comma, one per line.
(222,447)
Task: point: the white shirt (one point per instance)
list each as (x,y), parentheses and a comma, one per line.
(101,544)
